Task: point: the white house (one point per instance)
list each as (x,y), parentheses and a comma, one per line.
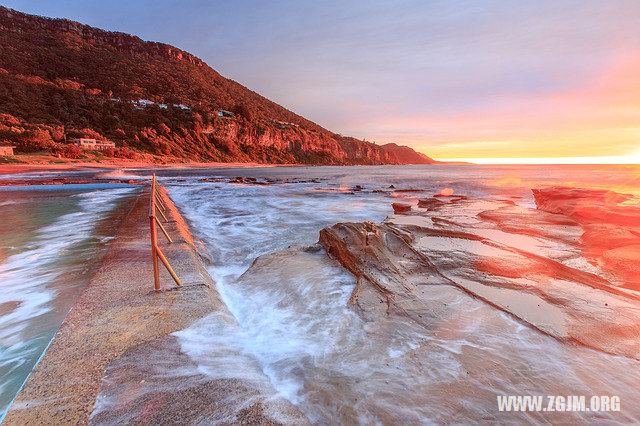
(6,150)
(86,143)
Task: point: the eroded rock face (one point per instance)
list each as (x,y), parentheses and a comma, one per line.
(526,262)
(589,205)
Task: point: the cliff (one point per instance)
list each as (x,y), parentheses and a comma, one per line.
(61,77)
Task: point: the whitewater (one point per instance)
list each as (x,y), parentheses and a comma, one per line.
(295,331)
(53,236)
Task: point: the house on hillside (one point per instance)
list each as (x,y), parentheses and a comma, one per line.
(181,106)
(281,124)
(141,103)
(97,145)
(225,114)
(6,150)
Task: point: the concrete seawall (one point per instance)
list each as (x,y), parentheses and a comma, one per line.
(117,314)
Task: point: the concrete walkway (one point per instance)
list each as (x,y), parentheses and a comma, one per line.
(117,311)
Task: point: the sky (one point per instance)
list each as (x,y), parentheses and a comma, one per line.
(491,81)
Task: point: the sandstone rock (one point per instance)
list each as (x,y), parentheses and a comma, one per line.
(526,262)
(429,203)
(400,208)
(588,205)
(611,223)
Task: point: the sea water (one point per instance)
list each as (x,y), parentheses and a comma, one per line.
(51,239)
(294,325)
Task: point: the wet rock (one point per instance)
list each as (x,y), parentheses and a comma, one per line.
(400,208)
(611,223)
(533,222)
(251,181)
(408,190)
(426,203)
(526,262)
(588,205)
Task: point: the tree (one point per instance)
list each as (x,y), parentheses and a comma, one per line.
(243,111)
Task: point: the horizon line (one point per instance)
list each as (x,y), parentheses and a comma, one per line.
(619,160)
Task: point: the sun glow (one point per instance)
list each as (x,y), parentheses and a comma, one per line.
(618,159)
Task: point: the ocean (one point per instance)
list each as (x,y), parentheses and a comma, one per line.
(294,326)
(294,321)
(51,239)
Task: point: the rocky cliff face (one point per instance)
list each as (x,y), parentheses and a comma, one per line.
(17,22)
(58,76)
(296,145)
(406,155)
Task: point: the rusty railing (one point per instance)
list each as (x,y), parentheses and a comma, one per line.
(157,205)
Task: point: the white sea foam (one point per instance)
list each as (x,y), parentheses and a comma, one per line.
(290,324)
(37,279)
(123,174)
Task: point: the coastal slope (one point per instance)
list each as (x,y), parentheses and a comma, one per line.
(60,78)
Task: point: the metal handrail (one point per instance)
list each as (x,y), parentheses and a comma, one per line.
(156,253)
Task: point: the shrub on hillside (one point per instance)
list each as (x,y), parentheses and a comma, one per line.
(243,111)
(126,153)
(67,151)
(83,133)
(33,140)
(9,120)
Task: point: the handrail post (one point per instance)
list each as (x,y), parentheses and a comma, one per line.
(156,253)
(168,266)
(164,231)
(154,237)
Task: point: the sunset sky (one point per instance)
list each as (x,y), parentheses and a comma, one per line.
(492,80)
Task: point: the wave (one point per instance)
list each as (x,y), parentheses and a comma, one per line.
(38,279)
